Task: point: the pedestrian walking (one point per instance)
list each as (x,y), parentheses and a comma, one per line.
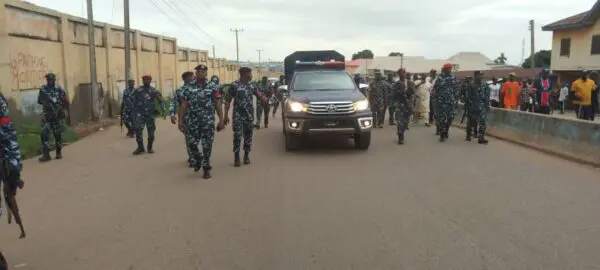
(477,103)
(199,102)
(378,97)
(188,78)
(402,94)
(127,109)
(446,92)
(242,93)
(263,109)
(144,110)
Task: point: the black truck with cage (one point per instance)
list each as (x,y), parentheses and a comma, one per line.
(323,100)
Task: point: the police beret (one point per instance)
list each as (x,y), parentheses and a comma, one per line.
(147,77)
(201,67)
(50,76)
(477,72)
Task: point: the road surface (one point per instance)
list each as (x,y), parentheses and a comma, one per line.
(423,205)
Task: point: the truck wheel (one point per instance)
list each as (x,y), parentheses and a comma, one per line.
(362,141)
(292,142)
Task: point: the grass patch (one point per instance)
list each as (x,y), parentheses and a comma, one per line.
(28,136)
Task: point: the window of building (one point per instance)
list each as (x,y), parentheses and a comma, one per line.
(595,44)
(565,47)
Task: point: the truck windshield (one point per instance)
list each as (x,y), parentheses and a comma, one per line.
(323,81)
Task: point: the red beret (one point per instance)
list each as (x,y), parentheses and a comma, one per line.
(447,66)
(401,69)
(147,77)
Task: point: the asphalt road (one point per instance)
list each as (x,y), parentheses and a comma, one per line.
(423,205)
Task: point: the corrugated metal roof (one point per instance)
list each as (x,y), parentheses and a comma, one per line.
(420,64)
(583,19)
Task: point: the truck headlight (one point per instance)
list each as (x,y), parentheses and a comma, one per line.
(296,106)
(362,105)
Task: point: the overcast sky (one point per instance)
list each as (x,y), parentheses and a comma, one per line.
(430,28)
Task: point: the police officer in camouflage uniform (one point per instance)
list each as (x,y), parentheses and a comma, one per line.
(378,97)
(188,78)
(277,95)
(144,110)
(197,118)
(477,103)
(265,89)
(445,92)
(126,108)
(54,100)
(242,93)
(9,150)
(10,160)
(390,104)
(402,94)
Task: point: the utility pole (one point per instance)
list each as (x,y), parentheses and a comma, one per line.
(259,66)
(96,106)
(237,44)
(127,38)
(532,31)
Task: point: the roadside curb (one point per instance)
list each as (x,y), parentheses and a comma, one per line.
(539,149)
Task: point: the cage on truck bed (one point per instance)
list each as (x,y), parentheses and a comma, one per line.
(289,63)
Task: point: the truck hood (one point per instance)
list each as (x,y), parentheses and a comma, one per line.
(333,95)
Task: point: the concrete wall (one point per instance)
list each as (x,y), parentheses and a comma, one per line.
(573,139)
(581,44)
(35,41)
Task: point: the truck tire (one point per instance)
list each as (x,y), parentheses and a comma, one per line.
(292,142)
(362,141)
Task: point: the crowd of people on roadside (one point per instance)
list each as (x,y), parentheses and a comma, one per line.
(533,95)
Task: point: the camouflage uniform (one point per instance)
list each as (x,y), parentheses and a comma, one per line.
(265,90)
(390,104)
(378,91)
(144,113)
(127,110)
(445,91)
(243,113)
(199,120)
(51,119)
(402,96)
(173,108)
(9,149)
(477,102)
(276,97)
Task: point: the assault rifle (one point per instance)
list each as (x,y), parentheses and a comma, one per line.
(10,192)
(55,110)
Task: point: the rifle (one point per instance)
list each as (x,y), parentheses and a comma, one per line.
(57,113)
(10,193)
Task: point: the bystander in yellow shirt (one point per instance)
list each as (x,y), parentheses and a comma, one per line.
(583,89)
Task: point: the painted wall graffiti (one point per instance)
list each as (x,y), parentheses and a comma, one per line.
(28,71)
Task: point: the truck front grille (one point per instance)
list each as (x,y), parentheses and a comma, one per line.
(331,107)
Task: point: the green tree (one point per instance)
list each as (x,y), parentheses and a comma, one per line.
(364,54)
(501,60)
(395,54)
(542,59)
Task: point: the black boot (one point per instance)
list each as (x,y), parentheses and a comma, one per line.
(150,143)
(130,134)
(197,166)
(236,159)
(206,174)
(468,138)
(257,125)
(247,158)
(482,141)
(400,138)
(443,136)
(58,152)
(45,155)
(140,149)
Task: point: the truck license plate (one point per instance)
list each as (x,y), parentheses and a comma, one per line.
(331,123)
